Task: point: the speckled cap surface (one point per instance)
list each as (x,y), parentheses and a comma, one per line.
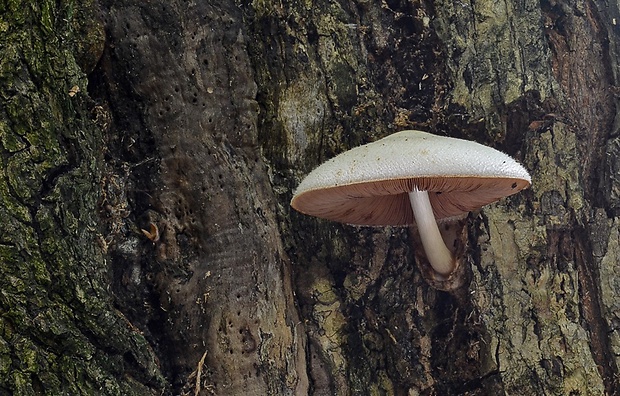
(368,185)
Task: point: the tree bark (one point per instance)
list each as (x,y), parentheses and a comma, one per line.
(150,149)
(60,331)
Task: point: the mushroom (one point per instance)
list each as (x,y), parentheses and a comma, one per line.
(411,177)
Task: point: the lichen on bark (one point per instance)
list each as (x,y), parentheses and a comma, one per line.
(502,74)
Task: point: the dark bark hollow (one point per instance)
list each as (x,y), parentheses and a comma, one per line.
(455,235)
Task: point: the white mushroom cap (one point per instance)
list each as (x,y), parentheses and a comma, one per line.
(369,185)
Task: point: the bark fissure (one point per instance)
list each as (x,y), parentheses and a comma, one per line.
(592,314)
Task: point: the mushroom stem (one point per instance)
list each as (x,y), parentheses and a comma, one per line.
(437,253)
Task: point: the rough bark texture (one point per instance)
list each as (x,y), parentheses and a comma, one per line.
(217,283)
(59,330)
(149,151)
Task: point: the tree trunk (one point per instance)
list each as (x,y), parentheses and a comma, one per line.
(150,150)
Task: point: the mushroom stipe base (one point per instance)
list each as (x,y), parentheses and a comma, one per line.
(455,235)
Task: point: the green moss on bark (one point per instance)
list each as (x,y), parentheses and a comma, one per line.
(59,333)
